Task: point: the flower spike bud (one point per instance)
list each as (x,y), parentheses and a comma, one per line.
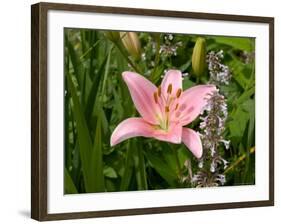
(199,56)
(132,44)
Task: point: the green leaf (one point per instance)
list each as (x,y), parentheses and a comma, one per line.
(187,83)
(67,130)
(69,187)
(171,160)
(106,70)
(240,43)
(84,139)
(184,154)
(238,124)
(129,165)
(249,106)
(242,73)
(75,61)
(97,161)
(157,72)
(185,66)
(109,172)
(94,90)
(162,168)
(170,156)
(93,41)
(245,95)
(139,166)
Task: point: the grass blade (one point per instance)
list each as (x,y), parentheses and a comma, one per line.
(84,139)
(69,187)
(126,179)
(94,90)
(140,167)
(97,170)
(75,61)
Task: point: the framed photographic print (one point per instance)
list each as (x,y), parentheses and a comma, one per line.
(138,111)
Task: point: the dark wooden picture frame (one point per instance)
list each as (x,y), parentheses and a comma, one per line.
(39,106)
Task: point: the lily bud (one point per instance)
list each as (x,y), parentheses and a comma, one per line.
(199,56)
(112,35)
(131,42)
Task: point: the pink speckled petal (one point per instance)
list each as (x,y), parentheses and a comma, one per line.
(142,91)
(193,142)
(192,101)
(173,77)
(135,127)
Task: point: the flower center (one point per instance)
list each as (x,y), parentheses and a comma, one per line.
(168,104)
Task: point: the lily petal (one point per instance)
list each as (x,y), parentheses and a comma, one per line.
(129,128)
(142,91)
(173,135)
(173,78)
(193,142)
(192,101)
(134,127)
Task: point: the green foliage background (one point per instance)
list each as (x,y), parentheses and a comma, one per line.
(97,100)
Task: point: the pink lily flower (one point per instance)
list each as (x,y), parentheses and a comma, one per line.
(164,110)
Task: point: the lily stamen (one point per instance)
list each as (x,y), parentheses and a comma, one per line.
(155,97)
(170,88)
(159,91)
(178,94)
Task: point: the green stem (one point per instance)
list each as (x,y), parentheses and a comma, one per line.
(240,159)
(197,79)
(106,71)
(127,58)
(177,161)
(89,49)
(126,179)
(129,165)
(140,169)
(157,57)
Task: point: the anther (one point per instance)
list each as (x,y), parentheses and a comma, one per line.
(170,88)
(177,106)
(178,93)
(167,109)
(159,91)
(155,97)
